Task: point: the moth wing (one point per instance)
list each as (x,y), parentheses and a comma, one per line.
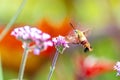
(87,32)
(72,38)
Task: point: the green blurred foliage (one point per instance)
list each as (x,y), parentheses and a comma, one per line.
(105,47)
(92,12)
(95,13)
(33,11)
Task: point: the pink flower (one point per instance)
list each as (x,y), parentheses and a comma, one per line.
(29,34)
(117,68)
(60,43)
(26,33)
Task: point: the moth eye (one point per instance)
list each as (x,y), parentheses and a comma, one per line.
(86,49)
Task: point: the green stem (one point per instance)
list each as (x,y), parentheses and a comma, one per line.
(24,59)
(53,65)
(1,74)
(4,32)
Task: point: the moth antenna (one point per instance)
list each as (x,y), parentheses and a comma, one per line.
(72,25)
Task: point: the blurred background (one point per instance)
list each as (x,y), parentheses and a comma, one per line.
(102,17)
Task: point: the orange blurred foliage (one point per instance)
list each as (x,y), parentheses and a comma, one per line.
(55,30)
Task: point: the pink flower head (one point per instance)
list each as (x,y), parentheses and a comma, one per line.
(26,33)
(117,68)
(60,43)
(43,43)
(30,34)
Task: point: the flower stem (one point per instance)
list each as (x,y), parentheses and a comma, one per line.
(53,65)
(1,73)
(4,32)
(22,66)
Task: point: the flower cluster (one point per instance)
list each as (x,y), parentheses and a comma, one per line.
(60,43)
(29,34)
(117,68)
